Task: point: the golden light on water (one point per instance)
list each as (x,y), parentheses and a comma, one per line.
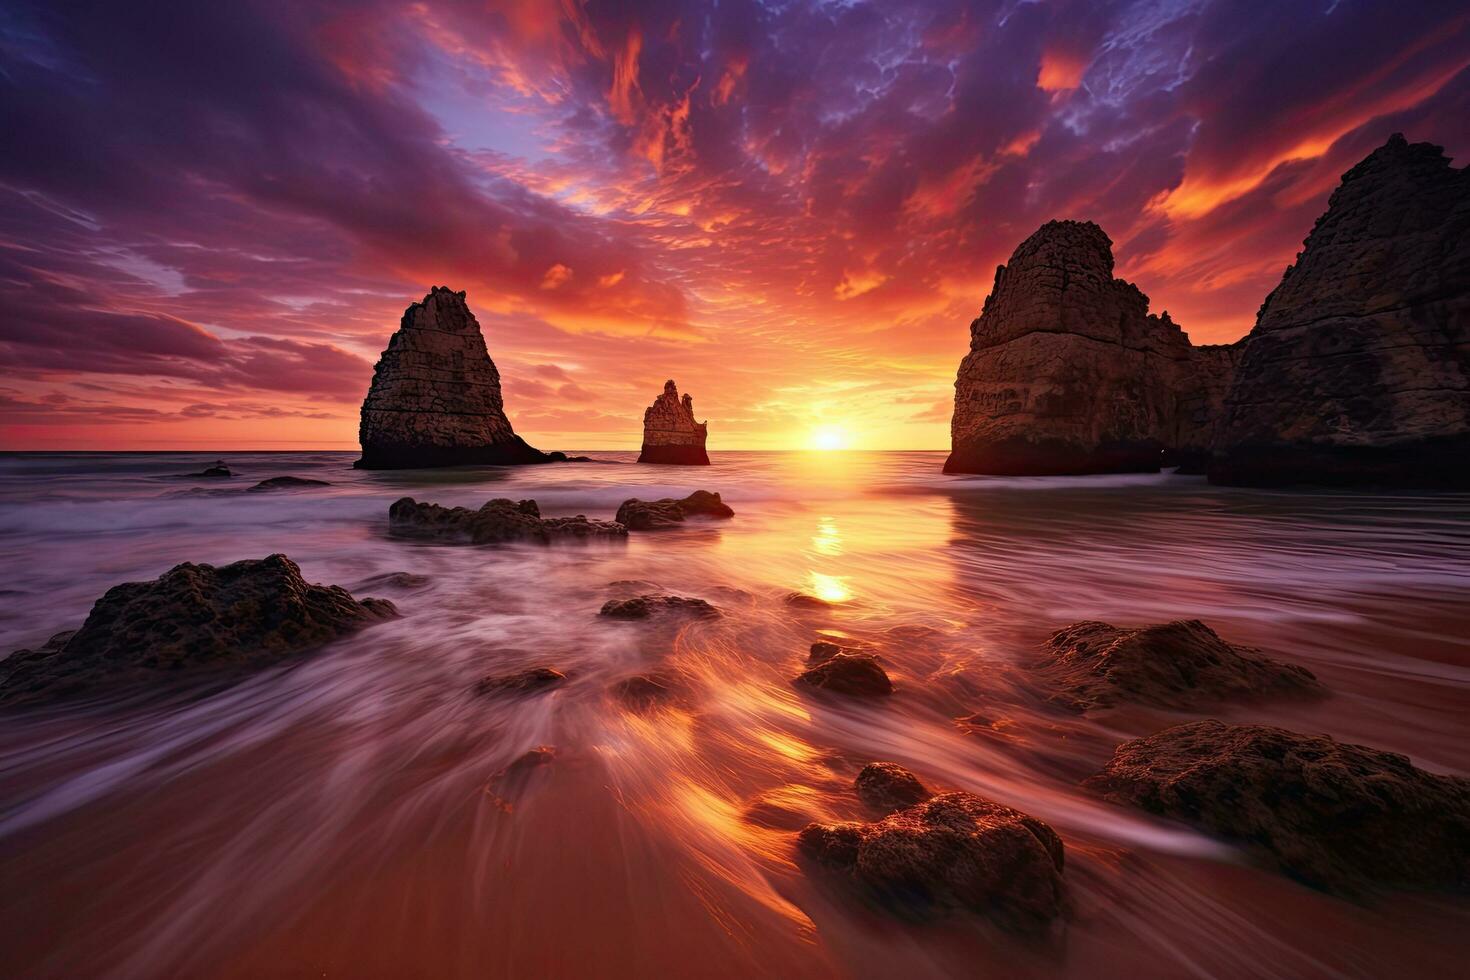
(829,588)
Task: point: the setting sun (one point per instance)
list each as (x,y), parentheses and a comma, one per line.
(830,437)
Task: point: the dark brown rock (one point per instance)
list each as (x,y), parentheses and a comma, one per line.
(1068,372)
(435,397)
(952,852)
(530,681)
(644,691)
(887,786)
(853,674)
(286,483)
(193,622)
(670,433)
(1172,665)
(499,520)
(1358,368)
(823,650)
(1334,815)
(646,606)
(651,515)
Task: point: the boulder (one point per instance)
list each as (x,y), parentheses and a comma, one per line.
(651,515)
(1171,665)
(497,521)
(852,674)
(286,483)
(1068,372)
(193,622)
(1358,368)
(435,396)
(887,786)
(647,606)
(823,650)
(530,681)
(955,852)
(670,433)
(1334,815)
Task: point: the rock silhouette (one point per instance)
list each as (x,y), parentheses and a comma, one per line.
(651,515)
(1358,368)
(435,397)
(1069,373)
(497,521)
(670,433)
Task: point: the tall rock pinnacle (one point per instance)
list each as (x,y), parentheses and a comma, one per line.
(435,397)
(670,434)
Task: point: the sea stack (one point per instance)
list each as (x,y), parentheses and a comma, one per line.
(670,434)
(1358,369)
(435,397)
(1069,373)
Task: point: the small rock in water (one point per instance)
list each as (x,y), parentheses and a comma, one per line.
(286,483)
(854,674)
(215,471)
(952,852)
(887,786)
(499,520)
(1174,665)
(804,600)
(650,515)
(530,681)
(514,778)
(403,581)
(643,691)
(1334,815)
(646,606)
(823,650)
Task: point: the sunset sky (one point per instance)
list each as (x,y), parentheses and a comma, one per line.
(213,214)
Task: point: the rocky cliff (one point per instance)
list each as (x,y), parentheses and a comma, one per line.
(435,397)
(670,434)
(1358,369)
(1068,372)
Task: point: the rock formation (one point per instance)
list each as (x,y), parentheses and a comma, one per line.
(1334,815)
(653,604)
(888,787)
(670,434)
(1171,665)
(194,622)
(952,852)
(497,521)
(853,674)
(1068,372)
(651,515)
(435,397)
(1358,368)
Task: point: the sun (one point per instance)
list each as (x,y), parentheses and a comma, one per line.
(829,437)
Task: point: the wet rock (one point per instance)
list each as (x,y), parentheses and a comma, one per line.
(1358,368)
(644,691)
(670,433)
(1334,815)
(399,581)
(856,675)
(823,650)
(530,681)
(887,786)
(516,777)
(435,398)
(646,606)
(286,483)
(651,515)
(193,622)
(499,520)
(803,600)
(214,471)
(1172,665)
(949,853)
(1068,372)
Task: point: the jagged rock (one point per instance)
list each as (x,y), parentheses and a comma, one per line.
(952,852)
(1358,368)
(1172,665)
(650,515)
(1334,815)
(194,622)
(529,681)
(853,674)
(887,786)
(645,606)
(435,397)
(1068,372)
(286,483)
(670,433)
(497,521)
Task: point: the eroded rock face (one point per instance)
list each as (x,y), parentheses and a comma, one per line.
(670,433)
(1171,665)
(1358,368)
(435,397)
(192,622)
(497,521)
(1334,815)
(1068,372)
(952,852)
(651,515)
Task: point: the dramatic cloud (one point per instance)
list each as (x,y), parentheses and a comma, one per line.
(212,215)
